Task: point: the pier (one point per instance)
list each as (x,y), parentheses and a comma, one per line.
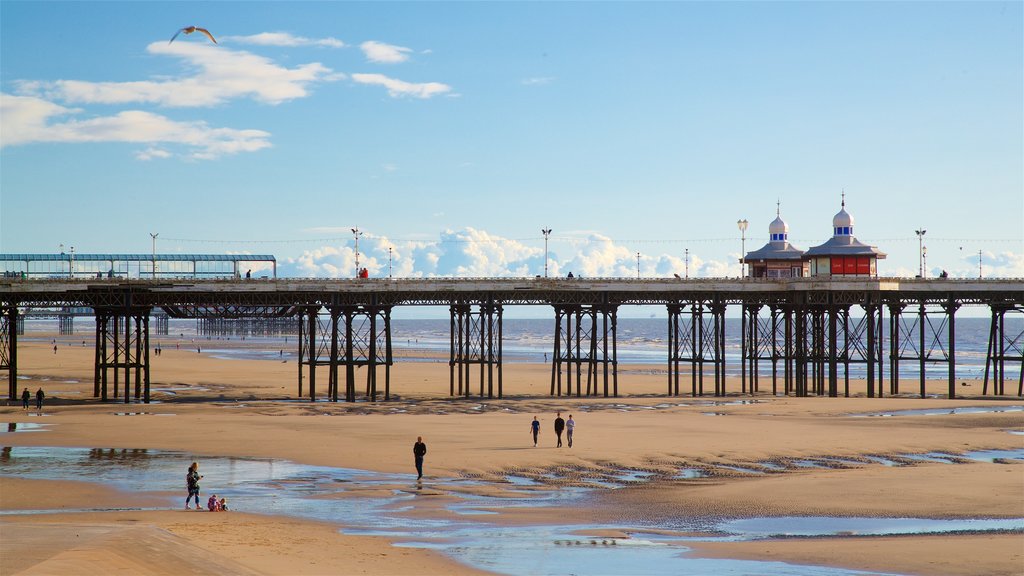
(799,335)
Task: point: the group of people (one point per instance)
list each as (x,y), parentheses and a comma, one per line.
(364,273)
(192,478)
(567,426)
(26,397)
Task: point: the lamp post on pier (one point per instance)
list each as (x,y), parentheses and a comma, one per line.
(154,235)
(546,232)
(924,261)
(71,264)
(389,261)
(687,260)
(920,252)
(357,234)
(637,265)
(742,225)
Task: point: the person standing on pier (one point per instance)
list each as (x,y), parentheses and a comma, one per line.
(535,430)
(570,424)
(559,426)
(419,450)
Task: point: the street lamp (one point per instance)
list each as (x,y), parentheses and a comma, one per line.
(742,225)
(546,232)
(687,260)
(637,265)
(389,261)
(924,261)
(71,264)
(154,235)
(357,234)
(979,264)
(920,252)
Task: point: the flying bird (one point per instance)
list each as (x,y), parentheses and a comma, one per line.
(191,29)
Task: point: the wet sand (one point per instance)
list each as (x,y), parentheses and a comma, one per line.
(212,407)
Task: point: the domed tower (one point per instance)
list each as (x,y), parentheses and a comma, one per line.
(843,255)
(778,258)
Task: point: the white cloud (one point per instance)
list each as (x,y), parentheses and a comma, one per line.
(538,81)
(152,152)
(398,88)
(382,53)
(284,39)
(221,75)
(25,120)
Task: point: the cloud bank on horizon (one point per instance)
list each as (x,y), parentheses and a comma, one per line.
(473,253)
(62,110)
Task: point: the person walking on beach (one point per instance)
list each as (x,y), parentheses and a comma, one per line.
(535,430)
(559,426)
(192,478)
(570,424)
(419,450)
(25,397)
(39,398)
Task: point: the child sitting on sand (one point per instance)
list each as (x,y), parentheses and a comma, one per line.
(223,505)
(213,505)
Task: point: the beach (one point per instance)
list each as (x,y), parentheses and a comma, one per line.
(747,453)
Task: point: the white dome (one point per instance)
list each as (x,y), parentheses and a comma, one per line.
(778,226)
(842,219)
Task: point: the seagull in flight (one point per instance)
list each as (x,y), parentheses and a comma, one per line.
(191,29)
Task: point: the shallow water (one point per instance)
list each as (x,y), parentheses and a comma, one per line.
(941,411)
(382,504)
(11,427)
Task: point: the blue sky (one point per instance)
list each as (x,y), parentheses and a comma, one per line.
(454,132)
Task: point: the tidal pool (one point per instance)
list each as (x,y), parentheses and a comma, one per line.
(385,504)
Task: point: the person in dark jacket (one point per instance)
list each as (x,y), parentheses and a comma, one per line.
(39,399)
(419,450)
(559,426)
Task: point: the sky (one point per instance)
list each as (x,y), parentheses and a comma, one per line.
(453,133)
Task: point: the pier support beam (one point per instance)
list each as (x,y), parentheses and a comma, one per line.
(1003,347)
(697,337)
(122,348)
(582,336)
(926,337)
(349,336)
(475,340)
(9,320)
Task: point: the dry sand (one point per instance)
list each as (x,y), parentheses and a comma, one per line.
(247,408)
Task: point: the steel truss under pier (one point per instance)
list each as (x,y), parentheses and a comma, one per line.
(122,343)
(582,339)
(1003,347)
(349,336)
(696,334)
(821,338)
(475,340)
(927,336)
(9,319)
(247,326)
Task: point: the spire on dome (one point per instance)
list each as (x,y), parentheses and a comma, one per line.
(842,222)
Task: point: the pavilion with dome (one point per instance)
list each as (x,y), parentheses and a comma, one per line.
(778,258)
(843,255)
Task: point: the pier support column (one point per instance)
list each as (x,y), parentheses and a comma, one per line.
(349,336)
(9,320)
(583,333)
(122,344)
(1003,347)
(476,341)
